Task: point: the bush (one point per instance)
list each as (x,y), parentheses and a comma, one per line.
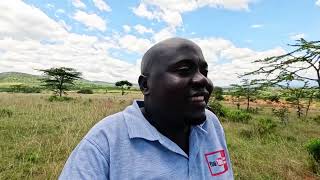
(5,113)
(238,116)
(23,89)
(85,91)
(313,148)
(218,109)
(253,110)
(265,126)
(274,98)
(57,98)
(282,114)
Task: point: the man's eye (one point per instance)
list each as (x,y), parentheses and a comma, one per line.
(184,70)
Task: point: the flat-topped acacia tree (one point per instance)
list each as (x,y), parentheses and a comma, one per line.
(59,79)
(123,85)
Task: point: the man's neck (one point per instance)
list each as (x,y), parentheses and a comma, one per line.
(177,134)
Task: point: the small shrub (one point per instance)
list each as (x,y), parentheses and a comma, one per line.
(60,99)
(317,119)
(265,126)
(85,91)
(218,109)
(274,98)
(238,116)
(253,110)
(6,113)
(313,148)
(282,114)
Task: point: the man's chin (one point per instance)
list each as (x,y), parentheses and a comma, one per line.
(196,120)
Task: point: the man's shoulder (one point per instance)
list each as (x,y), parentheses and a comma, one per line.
(213,123)
(112,125)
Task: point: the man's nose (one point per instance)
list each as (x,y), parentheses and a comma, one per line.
(200,80)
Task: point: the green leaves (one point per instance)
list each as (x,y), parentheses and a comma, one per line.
(59,79)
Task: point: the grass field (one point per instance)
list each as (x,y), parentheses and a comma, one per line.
(37,136)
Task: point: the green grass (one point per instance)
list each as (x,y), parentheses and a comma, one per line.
(38,136)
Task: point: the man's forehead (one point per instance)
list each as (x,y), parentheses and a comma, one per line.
(165,51)
(173,48)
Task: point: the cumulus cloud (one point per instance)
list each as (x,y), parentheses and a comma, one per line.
(25,47)
(297,36)
(17,20)
(226,61)
(163,34)
(318,2)
(92,21)
(126,28)
(102,5)
(170,11)
(134,44)
(78,4)
(141,29)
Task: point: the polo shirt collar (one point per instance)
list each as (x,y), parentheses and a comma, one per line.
(138,126)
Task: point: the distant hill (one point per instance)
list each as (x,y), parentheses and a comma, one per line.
(17,77)
(9,78)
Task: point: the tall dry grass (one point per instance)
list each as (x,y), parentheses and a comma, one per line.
(37,138)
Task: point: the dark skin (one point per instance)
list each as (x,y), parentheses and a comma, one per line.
(176,88)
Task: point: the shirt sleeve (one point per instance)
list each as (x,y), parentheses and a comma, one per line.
(87,161)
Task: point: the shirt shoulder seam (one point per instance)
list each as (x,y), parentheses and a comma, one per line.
(98,148)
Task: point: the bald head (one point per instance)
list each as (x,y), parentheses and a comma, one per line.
(164,50)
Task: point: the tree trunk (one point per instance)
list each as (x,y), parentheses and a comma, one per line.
(248,103)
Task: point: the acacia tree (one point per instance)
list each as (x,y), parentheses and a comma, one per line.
(291,66)
(59,79)
(123,85)
(247,89)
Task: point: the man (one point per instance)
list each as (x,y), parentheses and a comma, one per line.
(169,135)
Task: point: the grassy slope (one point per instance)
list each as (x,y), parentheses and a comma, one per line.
(37,139)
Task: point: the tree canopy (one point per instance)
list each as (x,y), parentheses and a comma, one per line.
(59,79)
(123,85)
(301,64)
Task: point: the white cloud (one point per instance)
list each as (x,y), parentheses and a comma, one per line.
(134,44)
(23,49)
(78,4)
(163,34)
(226,61)
(92,21)
(318,3)
(126,28)
(64,25)
(297,36)
(17,20)
(141,29)
(257,26)
(170,11)
(101,5)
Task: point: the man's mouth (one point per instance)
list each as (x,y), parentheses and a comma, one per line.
(197,98)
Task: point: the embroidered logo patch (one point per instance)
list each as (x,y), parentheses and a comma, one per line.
(217,162)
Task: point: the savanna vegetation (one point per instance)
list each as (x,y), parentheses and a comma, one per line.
(272,128)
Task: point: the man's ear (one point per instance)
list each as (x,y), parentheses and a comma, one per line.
(143,84)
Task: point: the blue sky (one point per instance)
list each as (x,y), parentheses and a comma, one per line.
(105,39)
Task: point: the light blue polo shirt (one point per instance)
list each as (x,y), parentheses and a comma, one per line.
(126,146)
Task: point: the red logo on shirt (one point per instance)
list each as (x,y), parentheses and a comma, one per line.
(217,162)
